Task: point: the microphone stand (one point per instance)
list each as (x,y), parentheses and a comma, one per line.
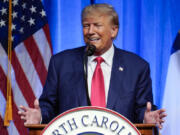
(89,52)
(85,57)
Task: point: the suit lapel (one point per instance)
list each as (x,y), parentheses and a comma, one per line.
(116,79)
(81,84)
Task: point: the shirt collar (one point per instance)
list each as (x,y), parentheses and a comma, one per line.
(107,56)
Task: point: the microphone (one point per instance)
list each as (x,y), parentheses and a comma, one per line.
(90,50)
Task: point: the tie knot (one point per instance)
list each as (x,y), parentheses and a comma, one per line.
(99,60)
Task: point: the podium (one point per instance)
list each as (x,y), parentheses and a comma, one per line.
(94,120)
(145,129)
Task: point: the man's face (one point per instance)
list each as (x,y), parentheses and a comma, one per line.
(98,31)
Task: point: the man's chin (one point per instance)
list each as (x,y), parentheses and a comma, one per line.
(98,52)
(95,43)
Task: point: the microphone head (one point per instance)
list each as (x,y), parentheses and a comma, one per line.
(90,50)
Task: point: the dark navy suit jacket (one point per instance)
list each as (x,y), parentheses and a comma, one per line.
(129,91)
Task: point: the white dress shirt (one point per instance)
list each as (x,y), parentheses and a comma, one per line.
(106,67)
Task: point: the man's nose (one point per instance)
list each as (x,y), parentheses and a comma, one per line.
(91,29)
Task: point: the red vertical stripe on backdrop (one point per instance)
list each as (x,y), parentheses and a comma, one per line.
(22,81)
(16,118)
(36,57)
(46,31)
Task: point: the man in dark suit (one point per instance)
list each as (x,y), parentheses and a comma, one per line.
(123,76)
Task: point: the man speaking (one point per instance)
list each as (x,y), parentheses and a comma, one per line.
(116,79)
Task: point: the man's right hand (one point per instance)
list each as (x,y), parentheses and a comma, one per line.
(31,115)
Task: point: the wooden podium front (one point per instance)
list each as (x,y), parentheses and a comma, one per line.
(145,129)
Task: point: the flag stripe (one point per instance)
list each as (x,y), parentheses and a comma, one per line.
(19,98)
(12,130)
(22,81)
(3,59)
(3,130)
(18,122)
(3,102)
(37,60)
(46,31)
(17,94)
(29,69)
(43,46)
(171,98)
(176,45)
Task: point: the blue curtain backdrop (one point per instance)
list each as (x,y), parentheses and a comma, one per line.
(147,28)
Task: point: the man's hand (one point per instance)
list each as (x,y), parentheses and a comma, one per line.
(31,115)
(154,117)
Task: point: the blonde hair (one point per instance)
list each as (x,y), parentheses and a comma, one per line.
(104,9)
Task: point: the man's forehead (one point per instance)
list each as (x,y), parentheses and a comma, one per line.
(94,13)
(96,18)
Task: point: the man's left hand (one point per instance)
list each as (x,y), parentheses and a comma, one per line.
(154,117)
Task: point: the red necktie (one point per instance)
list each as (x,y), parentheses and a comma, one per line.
(97,86)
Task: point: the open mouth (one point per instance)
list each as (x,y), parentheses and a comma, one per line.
(93,39)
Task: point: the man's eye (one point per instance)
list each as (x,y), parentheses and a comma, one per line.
(98,25)
(85,26)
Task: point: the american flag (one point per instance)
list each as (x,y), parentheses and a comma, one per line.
(31,52)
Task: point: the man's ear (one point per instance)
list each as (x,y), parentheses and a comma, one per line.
(114,31)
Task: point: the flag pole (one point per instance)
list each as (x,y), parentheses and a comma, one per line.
(8,112)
